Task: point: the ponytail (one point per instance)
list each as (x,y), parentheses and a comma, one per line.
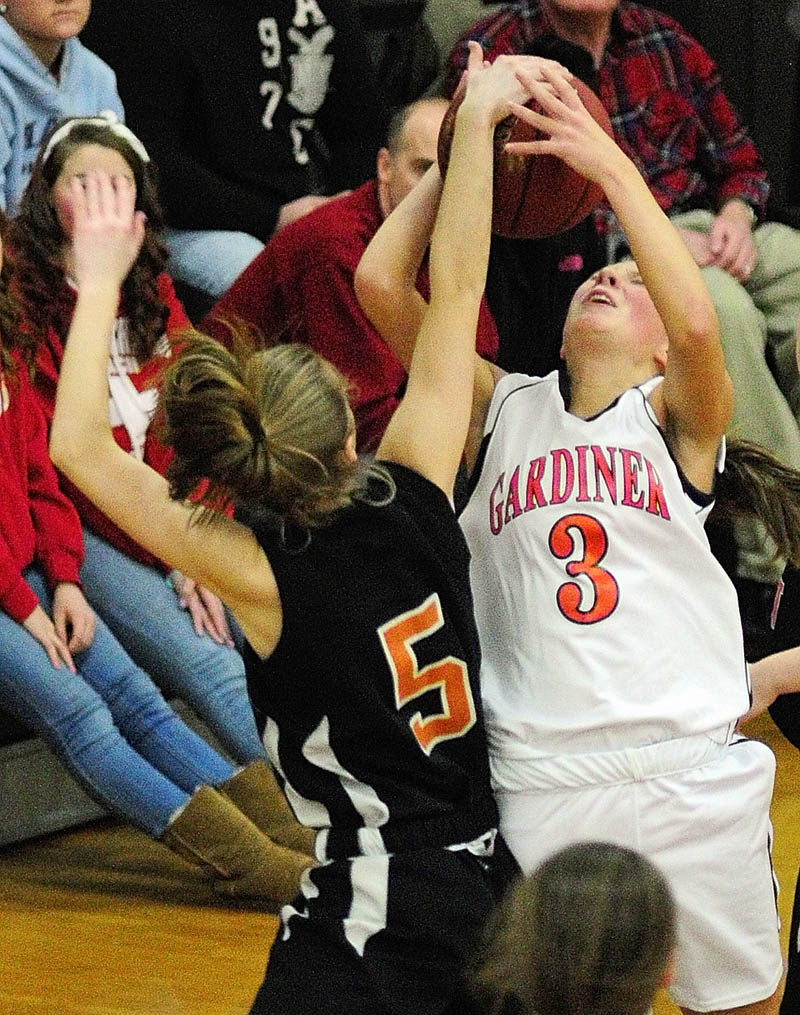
(756,484)
(268,429)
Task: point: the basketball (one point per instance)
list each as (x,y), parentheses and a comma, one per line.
(534,195)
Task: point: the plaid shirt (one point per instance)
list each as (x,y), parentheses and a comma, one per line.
(664,96)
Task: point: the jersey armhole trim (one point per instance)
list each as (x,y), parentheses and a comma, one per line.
(699,498)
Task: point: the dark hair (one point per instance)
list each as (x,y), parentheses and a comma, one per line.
(263,428)
(37,240)
(9,313)
(395,132)
(590,932)
(754,483)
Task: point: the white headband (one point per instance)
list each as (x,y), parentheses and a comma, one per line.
(107,119)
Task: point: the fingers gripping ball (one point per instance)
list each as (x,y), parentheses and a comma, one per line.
(534,195)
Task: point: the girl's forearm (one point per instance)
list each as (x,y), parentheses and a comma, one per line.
(460,242)
(781,670)
(77,437)
(385,280)
(669,271)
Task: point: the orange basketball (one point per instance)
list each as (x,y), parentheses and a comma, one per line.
(534,195)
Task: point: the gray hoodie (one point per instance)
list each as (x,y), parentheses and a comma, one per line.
(32,100)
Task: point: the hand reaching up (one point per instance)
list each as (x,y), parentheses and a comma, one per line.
(570,131)
(508,80)
(107,229)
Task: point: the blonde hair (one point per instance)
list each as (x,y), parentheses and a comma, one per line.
(265,428)
(590,932)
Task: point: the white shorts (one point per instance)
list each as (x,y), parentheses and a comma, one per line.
(705,827)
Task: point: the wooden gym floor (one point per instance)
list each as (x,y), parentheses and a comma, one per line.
(103,921)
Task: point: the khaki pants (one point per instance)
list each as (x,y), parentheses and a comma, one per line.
(763,313)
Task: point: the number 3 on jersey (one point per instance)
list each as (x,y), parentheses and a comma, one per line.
(570,596)
(448,676)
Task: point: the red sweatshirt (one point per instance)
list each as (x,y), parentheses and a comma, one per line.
(37,522)
(48,363)
(300,289)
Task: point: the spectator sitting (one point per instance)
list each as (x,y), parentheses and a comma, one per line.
(300,288)
(156,620)
(64,675)
(670,114)
(254,114)
(45,75)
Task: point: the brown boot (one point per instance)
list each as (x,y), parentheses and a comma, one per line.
(213,833)
(256,793)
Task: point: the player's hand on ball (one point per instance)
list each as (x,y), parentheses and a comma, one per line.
(570,131)
(494,86)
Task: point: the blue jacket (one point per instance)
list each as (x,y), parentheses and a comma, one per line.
(32,100)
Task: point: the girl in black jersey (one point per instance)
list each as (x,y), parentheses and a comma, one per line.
(351,587)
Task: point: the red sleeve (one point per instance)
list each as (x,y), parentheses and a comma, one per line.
(49,354)
(45,523)
(254,299)
(177,320)
(59,540)
(17,598)
(728,156)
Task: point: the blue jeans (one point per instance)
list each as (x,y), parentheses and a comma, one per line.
(107,723)
(210,260)
(142,610)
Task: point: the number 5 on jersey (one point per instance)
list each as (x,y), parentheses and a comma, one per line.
(449,676)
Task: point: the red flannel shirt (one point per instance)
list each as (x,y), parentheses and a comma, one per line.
(48,364)
(663,93)
(37,522)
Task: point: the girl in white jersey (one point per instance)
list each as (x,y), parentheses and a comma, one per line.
(613,670)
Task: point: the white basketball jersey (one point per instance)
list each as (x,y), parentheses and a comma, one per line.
(605,621)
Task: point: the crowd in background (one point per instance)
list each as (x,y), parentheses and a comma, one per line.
(268,144)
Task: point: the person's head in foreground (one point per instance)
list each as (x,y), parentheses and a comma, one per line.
(589,932)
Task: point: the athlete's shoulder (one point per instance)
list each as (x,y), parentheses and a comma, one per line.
(412,487)
(510,389)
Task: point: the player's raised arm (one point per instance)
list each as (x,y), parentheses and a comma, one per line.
(697,393)
(107,234)
(429,429)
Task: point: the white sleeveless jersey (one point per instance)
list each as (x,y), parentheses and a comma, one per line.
(605,621)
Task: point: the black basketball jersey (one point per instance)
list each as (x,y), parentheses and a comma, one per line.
(370,704)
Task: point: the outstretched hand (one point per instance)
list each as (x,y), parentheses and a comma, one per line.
(107,231)
(506,82)
(570,131)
